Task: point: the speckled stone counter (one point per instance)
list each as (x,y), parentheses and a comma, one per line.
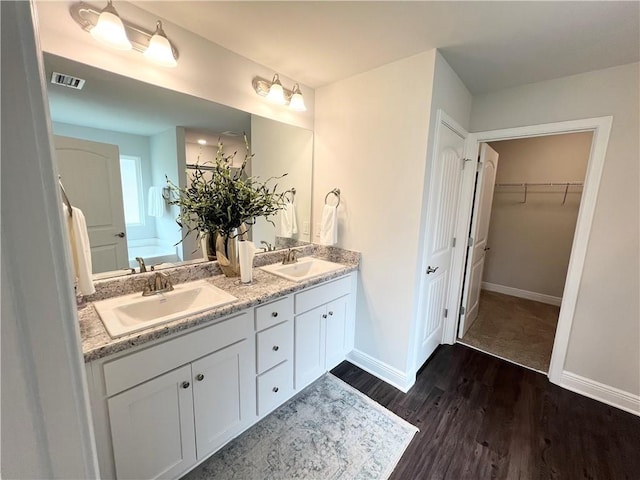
(96,342)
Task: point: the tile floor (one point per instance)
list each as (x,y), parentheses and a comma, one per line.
(514,328)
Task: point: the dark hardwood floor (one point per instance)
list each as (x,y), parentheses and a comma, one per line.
(481,417)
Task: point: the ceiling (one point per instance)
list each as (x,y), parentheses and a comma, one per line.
(491,45)
(113,102)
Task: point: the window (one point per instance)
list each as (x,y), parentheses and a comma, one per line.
(131,177)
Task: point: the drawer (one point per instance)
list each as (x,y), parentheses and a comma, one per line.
(274,387)
(130,370)
(274,345)
(274,313)
(322,294)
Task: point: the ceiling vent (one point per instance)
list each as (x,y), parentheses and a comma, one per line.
(67,80)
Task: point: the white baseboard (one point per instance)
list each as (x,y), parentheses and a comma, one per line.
(384,372)
(603,393)
(516,292)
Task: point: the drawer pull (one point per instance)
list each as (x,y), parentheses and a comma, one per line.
(274,314)
(200,377)
(275,389)
(185,384)
(276,348)
(330,313)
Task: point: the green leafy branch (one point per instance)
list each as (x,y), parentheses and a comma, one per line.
(219,200)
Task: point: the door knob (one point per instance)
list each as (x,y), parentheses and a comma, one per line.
(487,249)
(200,377)
(121,235)
(276,348)
(185,384)
(431,270)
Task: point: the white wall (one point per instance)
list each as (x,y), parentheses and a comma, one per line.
(205,69)
(604,345)
(531,242)
(280,149)
(371,142)
(168,159)
(128,144)
(46,425)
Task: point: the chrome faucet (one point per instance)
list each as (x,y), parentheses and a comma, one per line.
(140,261)
(290,257)
(268,246)
(160,282)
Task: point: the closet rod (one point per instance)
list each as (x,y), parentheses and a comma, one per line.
(547,184)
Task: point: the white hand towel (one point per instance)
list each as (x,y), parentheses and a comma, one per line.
(288,223)
(155,202)
(80,250)
(329,225)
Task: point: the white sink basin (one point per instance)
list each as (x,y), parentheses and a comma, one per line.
(303,269)
(131,313)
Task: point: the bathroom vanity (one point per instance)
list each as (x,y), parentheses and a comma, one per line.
(166,398)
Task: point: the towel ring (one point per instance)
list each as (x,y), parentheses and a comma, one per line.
(336,192)
(292,191)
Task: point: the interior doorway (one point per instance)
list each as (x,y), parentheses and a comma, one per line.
(525,214)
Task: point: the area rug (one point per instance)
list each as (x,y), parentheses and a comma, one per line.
(328,431)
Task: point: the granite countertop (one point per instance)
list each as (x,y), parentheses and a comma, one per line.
(96,342)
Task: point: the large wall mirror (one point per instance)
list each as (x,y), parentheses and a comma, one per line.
(116,138)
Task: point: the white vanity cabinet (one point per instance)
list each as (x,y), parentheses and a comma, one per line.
(323,328)
(168,406)
(161,408)
(274,354)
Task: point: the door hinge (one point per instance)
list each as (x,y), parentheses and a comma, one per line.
(464,162)
(462,310)
(479,167)
(453,242)
(446,312)
(470,242)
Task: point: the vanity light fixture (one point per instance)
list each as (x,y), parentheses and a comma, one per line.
(108,27)
(159,50)
(202,141)
(275,92)
(110,30)
(297,102)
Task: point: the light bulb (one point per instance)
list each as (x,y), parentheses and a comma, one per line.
(159,49)
(276,92)
(109,29)
(297,102)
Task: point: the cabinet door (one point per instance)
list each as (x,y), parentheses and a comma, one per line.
(309,346)
(336,320)
(223,396)
(152,427)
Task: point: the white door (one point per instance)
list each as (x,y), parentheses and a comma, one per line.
(309,346)
(336,327)
(152,427)
(90,173)
(221,396)
(442,210)
(479,231)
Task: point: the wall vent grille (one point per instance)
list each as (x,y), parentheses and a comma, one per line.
(67,80)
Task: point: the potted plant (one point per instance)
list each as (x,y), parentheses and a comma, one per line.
(221,203)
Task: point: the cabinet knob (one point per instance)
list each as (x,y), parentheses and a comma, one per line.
(276,348)
(274,314)
(330,313)
(275,389)
(200,377)
(185,384)
(324,315)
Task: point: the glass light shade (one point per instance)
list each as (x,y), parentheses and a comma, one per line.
(110,30)
(159,51)
(276,92)
(297,102)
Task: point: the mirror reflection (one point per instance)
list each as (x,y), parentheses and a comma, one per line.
(116,138)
